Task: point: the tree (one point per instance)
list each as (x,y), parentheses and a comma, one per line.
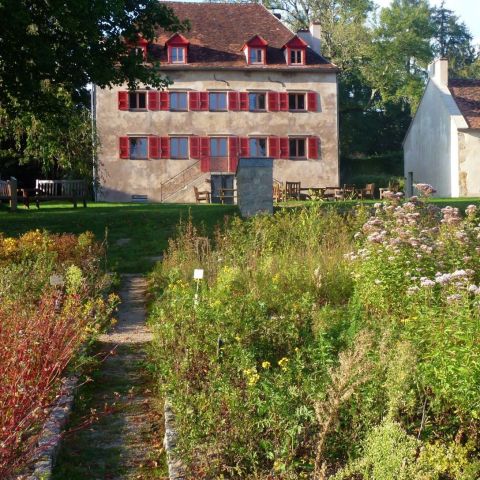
(452,39)
(58,140)
(74,42)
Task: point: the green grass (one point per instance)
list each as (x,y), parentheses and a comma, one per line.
(147,226)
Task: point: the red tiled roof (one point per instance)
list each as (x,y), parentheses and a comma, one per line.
(219,30)
(466,93)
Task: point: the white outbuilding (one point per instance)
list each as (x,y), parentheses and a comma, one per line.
(442,145)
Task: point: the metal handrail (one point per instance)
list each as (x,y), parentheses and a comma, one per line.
(183,172)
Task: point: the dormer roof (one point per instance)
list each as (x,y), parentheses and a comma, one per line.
(219,30)
(177,39)
(295,42)
(257,41)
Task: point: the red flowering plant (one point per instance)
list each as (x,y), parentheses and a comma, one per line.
(52,292)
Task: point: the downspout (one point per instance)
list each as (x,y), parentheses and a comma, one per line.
(93,115)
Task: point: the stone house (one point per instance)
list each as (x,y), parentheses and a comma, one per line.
(243,85)
(442,145)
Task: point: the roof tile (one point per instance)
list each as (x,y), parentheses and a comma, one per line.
(219,30)
(466,93)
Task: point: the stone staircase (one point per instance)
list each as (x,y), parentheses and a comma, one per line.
(176,188)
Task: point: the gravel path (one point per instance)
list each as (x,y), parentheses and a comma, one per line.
(125,444)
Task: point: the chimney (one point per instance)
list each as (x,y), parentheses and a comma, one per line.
(438,71)
(312,36)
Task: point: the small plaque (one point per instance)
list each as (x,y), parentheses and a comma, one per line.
(56,280)
(198,274)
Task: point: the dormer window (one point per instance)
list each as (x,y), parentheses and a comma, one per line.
(255,51)
(139,47)
(177,55)
(296,56)
(177,49)
(256,55)
(295,51)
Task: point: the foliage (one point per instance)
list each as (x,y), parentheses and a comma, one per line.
(317,352)
(58,139)
(75,42)
(51,284)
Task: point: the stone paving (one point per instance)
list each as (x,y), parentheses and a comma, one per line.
(126,441)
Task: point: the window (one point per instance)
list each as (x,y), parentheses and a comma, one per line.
(179,147)
(137,100)
(218,147)
(256,101)
(255,55)
(177,54)
(138,148)
(297,148)
(218,101)
(296,57)
(258,147)
(296,101)
(178,101)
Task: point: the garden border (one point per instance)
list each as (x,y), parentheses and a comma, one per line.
(51,436)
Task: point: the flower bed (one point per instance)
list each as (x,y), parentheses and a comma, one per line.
(325,346)
(51,289)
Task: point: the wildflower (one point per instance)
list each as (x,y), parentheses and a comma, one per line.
(471,210)
(282,363)
(266,365)
(377,206)
(412,290)
(454,298)
(377,281)
(427,283)
(425,189)
(252,376)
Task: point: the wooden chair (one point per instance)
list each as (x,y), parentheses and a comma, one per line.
(201,196)
(367,192)
(277,192)
(292,190)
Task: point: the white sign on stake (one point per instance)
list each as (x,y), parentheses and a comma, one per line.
(198,274)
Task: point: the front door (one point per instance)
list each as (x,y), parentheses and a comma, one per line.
(223,183)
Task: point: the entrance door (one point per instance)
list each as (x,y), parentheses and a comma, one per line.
(225,183)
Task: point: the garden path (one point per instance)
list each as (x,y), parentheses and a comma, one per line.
(127,442)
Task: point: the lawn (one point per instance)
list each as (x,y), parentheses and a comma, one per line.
(136,233)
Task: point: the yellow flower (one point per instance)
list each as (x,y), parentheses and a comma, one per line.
(266,365)
(252,376)
(282,363)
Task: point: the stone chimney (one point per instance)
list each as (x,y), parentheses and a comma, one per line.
(438,71)
(312,37)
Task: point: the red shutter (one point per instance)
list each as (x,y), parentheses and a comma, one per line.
(165,147)
(205,154)
(313,147)
(274,147)
(153,147)
(233,153)
(123,100)
(195,147)
(233,101)
(283,101)
(312,101)
(244,147)
(194,100)
(284,147)
(273,101)
(124,147)
(203,101)
(153,100)
(244,101)
(164,101)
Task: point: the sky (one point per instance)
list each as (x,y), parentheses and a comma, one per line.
(467,10)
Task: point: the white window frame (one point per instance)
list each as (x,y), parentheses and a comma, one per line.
(177,50)
(296,140)
(178,139)
(212,103)
(257,108)
(296,52)
(212,139)
(256,140)
(172,94)
(254,54)
(296,109)
(137,94)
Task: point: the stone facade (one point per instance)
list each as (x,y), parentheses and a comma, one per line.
(123,178)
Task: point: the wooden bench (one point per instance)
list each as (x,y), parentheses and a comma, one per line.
(48,190)
(8,192)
